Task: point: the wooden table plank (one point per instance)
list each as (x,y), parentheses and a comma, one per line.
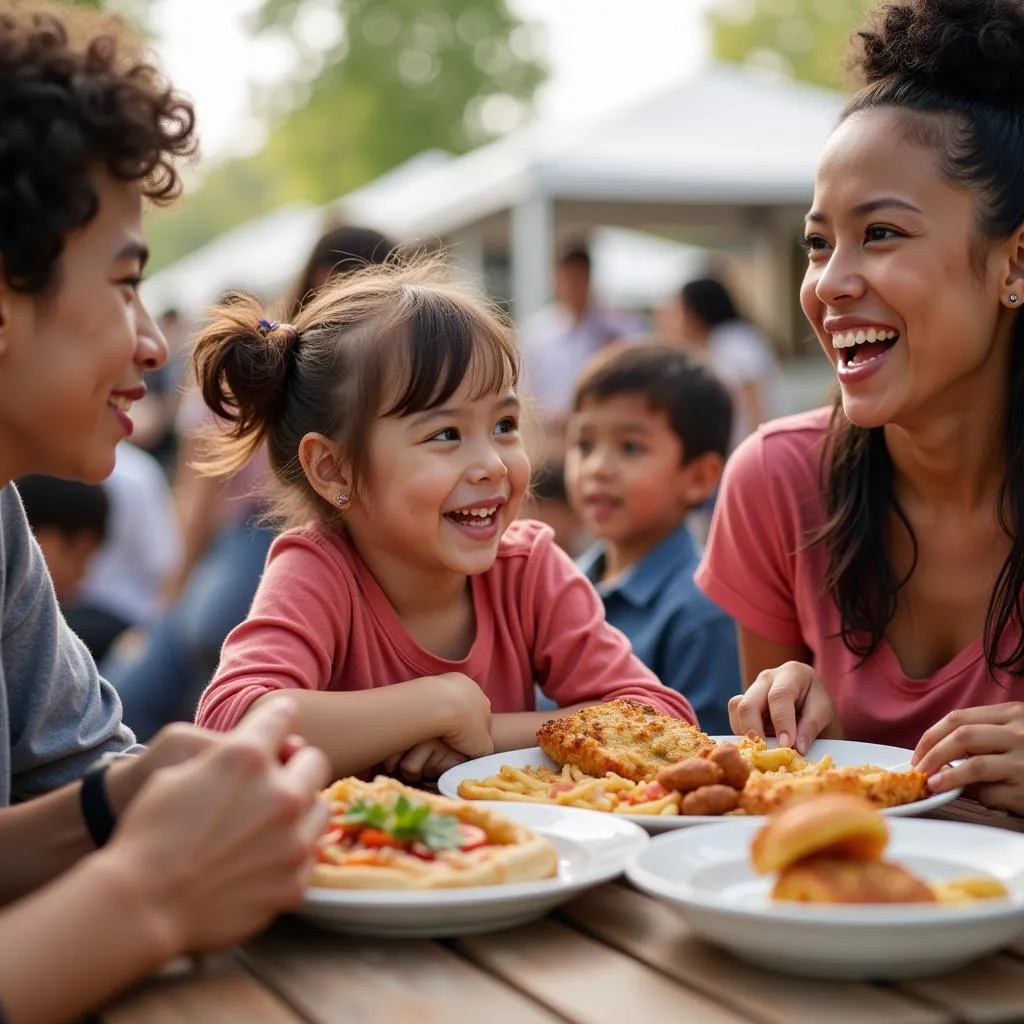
(986,992)
(586,982)
(652,932)
(337,979)
(971,811)
(219,991)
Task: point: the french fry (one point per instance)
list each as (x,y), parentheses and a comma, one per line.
(772,760)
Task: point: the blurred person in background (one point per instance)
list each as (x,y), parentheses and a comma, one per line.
(647,441)
(160,676)
(559,340)
(69,521)
(547,501)
(705,316)
(156,413)
(125,582)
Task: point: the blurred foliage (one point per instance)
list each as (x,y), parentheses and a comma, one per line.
(377,82)
(805,39)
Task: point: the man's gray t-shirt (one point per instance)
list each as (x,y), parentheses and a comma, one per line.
(57,715)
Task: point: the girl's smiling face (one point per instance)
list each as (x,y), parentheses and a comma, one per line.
(443,485)
(902,292)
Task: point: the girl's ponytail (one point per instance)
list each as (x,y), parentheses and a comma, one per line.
(241,363)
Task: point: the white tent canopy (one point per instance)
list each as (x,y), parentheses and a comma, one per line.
(726,135)
(728,156)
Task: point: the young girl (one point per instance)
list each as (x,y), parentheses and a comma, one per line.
(412,619)
(876,553)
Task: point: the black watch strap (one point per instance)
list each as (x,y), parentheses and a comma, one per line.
(100,819)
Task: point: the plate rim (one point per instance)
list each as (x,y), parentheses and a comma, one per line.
(679,821)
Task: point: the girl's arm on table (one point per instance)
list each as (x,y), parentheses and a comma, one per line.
(360,729)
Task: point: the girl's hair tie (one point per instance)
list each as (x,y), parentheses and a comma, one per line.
(266,327)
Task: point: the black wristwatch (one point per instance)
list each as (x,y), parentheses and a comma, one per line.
(99,816)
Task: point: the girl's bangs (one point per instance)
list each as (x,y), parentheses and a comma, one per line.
(442,346)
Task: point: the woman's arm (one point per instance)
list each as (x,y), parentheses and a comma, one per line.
(757,654)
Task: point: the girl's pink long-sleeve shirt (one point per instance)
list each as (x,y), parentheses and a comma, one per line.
(321,622)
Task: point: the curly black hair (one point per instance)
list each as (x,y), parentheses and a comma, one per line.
(76,96)
(954,69)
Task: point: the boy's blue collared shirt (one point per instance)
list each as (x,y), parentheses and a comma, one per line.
(676,631)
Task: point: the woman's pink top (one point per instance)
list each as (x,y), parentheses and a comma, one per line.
(757,566)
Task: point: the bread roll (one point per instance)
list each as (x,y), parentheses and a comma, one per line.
(840,824)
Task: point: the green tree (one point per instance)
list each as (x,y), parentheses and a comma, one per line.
(806,39)
(393,78)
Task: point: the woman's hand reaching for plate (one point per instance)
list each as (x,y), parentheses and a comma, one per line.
(791,701)
(987,744)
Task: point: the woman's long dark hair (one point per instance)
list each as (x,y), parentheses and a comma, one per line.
(956,68)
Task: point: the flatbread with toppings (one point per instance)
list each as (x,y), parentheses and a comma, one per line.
(383,835)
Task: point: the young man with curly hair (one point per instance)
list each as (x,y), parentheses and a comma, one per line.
(213,834)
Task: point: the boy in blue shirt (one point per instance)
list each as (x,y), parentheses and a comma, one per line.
(647,441)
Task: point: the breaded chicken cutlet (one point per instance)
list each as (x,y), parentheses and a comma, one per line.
(621,736)
(765,793)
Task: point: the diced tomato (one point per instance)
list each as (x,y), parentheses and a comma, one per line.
(421,851)
(655,791)
(376,838)
(473,837)
(560,787)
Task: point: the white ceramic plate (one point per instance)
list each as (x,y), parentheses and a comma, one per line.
(705,874)
(844,753)
(592,848)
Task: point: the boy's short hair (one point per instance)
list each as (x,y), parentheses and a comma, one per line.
(681,385)
(69,506)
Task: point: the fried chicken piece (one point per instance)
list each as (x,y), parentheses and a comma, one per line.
(710,800)
(690,774)
(893,789)
(829,879)
(765,793)
(734,766)
(621,736)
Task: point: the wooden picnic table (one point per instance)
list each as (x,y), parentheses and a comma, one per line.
(612,956)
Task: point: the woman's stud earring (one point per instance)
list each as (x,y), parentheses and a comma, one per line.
(1013,298)
(343,499)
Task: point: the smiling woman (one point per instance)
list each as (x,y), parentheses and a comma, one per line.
(884,572)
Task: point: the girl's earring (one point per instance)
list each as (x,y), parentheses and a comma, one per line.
(343,500)
(1013,299)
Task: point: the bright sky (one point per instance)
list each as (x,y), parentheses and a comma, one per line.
(601,55)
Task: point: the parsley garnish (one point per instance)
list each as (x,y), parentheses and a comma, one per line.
(409,822)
